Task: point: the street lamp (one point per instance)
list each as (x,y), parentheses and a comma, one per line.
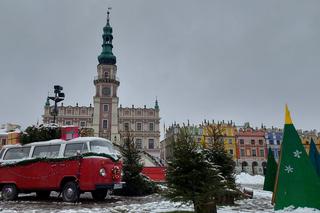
(58,96)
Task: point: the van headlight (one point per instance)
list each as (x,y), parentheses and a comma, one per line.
(102,172)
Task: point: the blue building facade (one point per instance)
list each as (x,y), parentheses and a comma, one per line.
(274,140)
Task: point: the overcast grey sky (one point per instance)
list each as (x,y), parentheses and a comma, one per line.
(240,60)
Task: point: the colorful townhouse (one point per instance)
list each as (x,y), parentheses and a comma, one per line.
(273,139)
(251,150)
(9,134)
(228,131)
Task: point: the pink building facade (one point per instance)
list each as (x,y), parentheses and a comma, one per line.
(251,150)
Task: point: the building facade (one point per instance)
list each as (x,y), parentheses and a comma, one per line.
(107,119)
(252,150)
(306,137)
(9,134)
(274,139)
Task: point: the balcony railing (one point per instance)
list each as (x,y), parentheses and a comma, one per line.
(106,79)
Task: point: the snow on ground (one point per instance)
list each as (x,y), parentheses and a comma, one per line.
(245,178)
(261,203)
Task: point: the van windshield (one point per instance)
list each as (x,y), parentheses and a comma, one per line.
(100,146)
(17,153)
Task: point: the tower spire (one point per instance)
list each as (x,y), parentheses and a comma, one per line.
(156,106)
(108,15)
(106,56)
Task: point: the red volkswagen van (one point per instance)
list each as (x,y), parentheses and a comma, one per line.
(87,164)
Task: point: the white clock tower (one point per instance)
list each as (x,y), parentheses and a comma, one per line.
(105,115)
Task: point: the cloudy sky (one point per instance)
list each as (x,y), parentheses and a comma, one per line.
(223,60)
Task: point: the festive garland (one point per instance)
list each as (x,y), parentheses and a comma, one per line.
(44,159)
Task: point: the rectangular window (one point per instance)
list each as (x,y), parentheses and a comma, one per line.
(242,152)
(151,143)
(105,107)
(278,142)
(231,151)
(271,142)
(82,124)
(51,151)
(3,141)
(253,142)
(105,124)
(74,149)
(230,141)
(17,153)
(151,127)
(68,122)
(138,143)
(241,141)
(261,153)
(139,126)
(254,153)
(260,142)
(126,126)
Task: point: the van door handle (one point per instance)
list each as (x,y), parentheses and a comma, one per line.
(53,165)
(62,164)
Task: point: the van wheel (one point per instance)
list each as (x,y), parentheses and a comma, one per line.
(70,192)
(99,195)
(43,195)
(9,192)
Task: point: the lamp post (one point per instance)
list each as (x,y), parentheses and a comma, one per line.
(58,96)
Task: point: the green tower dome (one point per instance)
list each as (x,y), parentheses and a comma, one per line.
(106,56)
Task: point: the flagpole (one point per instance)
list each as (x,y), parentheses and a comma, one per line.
(277,177)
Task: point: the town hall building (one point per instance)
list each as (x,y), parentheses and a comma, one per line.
(106,117)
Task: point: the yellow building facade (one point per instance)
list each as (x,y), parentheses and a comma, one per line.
(229,136)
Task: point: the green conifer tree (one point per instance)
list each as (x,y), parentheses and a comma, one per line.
(191,177)
(136,183)
(271,174)
(40,133)
(215,152)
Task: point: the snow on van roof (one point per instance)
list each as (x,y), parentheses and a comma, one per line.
(46,142)
(81,139)
(10,145)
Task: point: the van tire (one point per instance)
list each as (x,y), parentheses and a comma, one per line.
(43,195)
(9,192)
(99,195)
(70,192)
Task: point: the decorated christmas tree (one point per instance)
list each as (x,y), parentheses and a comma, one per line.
(297,183)
(314,157)
(271,172)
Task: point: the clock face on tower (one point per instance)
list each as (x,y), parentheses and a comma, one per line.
(106,91)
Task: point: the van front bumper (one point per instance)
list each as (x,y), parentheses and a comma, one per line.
(110,186)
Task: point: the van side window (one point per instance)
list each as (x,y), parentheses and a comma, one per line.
(49,151)
(73,149)
(17,153)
